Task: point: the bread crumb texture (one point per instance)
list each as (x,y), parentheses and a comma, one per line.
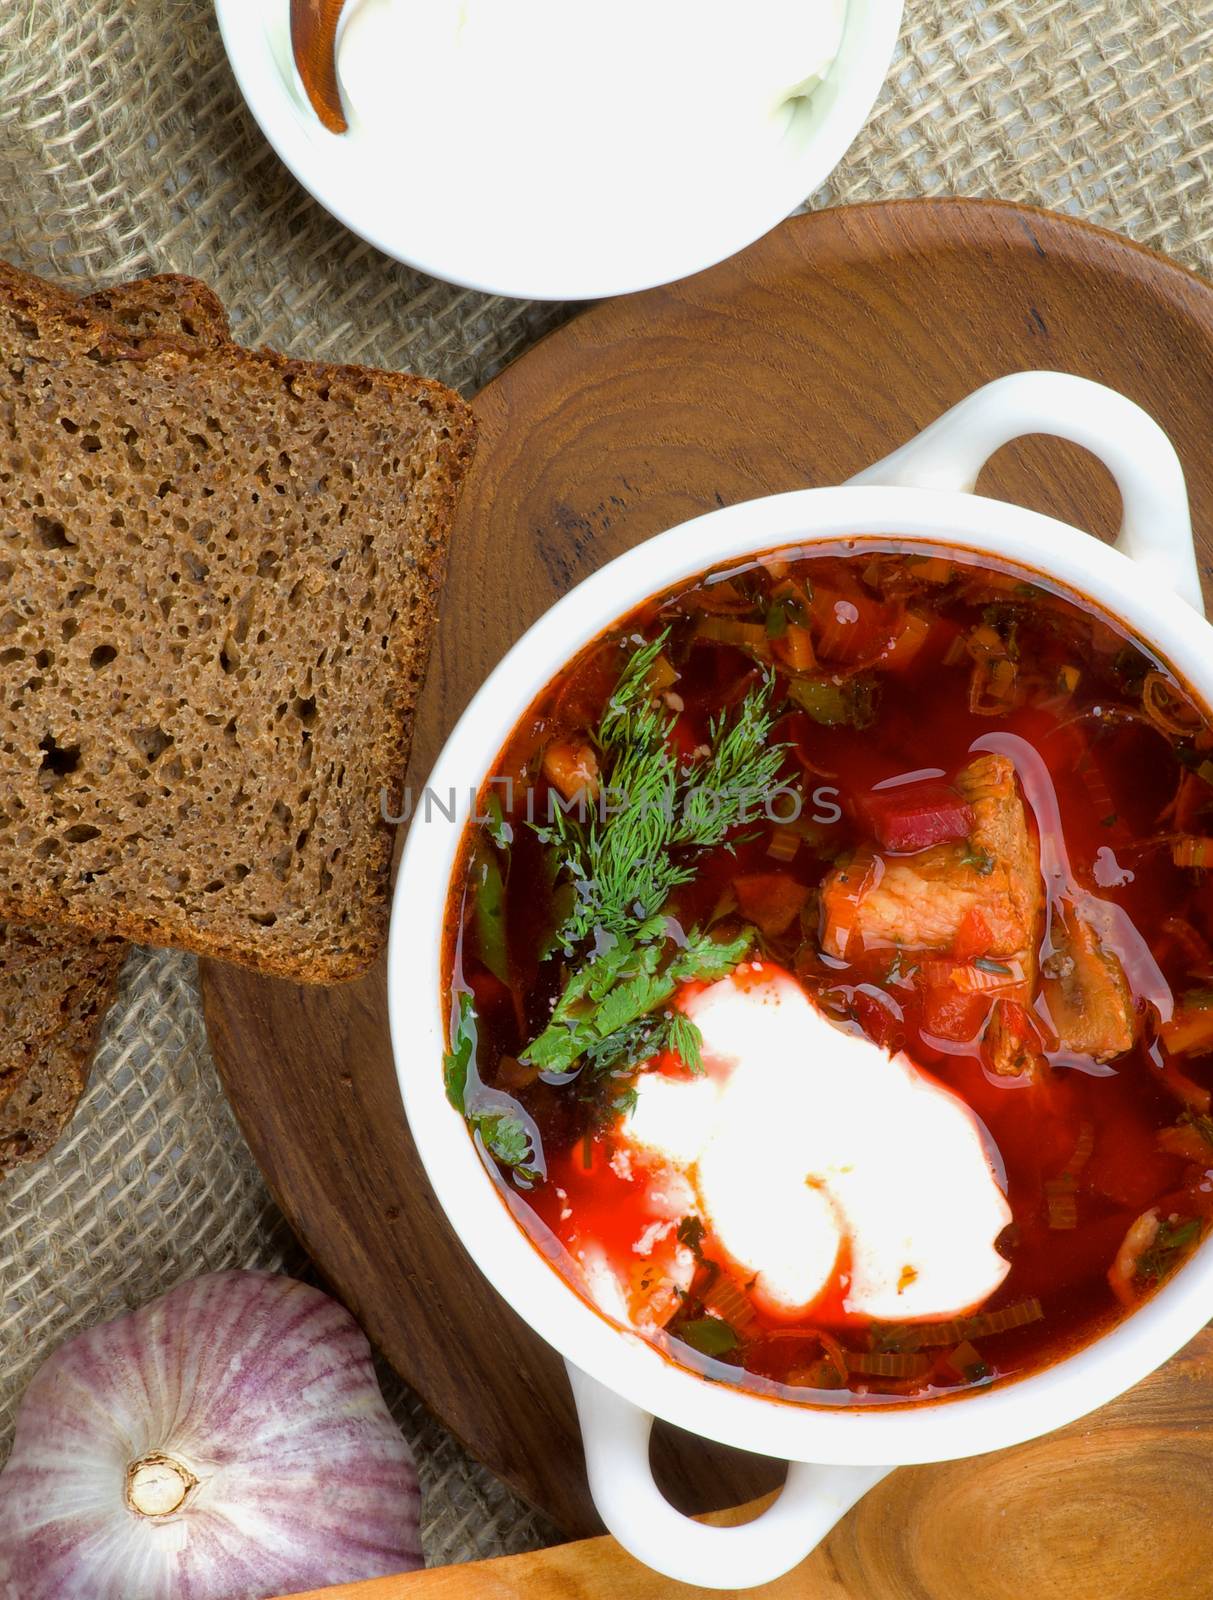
(218,576)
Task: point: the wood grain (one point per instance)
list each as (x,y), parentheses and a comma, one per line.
(830,342)
(1116,1505)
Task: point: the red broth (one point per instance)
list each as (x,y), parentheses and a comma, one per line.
(1086,1056)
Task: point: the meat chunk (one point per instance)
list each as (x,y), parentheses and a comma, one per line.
(922,901)
(985,893)
(933,900)
(1085,989)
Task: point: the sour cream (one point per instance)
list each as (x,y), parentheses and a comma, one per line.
(595,115)
(825,1168)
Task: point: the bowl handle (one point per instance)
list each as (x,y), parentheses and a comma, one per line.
(1157,527)
(616,1435)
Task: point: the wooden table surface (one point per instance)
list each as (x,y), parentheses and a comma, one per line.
(1114,1508)
(799,362)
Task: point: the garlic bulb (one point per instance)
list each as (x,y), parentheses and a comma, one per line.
(226,1442)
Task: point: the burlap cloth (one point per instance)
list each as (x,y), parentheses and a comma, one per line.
(125,149)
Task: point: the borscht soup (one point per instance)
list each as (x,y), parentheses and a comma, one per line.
(829,967)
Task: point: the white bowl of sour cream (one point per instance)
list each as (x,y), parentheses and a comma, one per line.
(568,149)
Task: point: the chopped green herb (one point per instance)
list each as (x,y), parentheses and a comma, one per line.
(711,1336)
(606,1013)
(624,865)
(777,622)
(1202,1122)
(1130,666)
(1004,619)
(684,1039)
(898,972)
(499,830)
(1171,1242)
(505,1136)
(1110,820)
(981,860)
(499,1123)
(489,889)
(624,1103)
(691,1233)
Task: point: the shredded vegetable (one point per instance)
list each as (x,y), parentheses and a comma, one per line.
(751,636)
(1191,851)
(662,674)
(993,689)
(835,703)
(795,648)
(905,648)
(784,845)
(1190,1030)
(1061,1202)
(887,1363)
(1167,707)
(928,1335)
(725,1300)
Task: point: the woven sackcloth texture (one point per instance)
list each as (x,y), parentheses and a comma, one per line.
(125,149)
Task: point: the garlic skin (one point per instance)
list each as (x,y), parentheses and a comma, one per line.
(226,1442)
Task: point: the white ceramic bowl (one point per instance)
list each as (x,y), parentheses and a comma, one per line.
(552,261)
(922,494)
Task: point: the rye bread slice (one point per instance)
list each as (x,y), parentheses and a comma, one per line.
(218,575)
(55,989)
(56,986)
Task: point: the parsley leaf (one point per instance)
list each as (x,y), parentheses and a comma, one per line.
(501,1124)
(505,1136)
(459,1057)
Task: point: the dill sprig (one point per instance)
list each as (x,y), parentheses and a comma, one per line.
(626,858)
(625,861)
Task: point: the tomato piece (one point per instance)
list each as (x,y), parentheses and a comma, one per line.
(916,817)
(953,1014)
(850,628)
(973,937)
(770,900)
(908,644)
(879,1015)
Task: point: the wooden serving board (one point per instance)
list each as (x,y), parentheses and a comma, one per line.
(1116,1505)
(818,350)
